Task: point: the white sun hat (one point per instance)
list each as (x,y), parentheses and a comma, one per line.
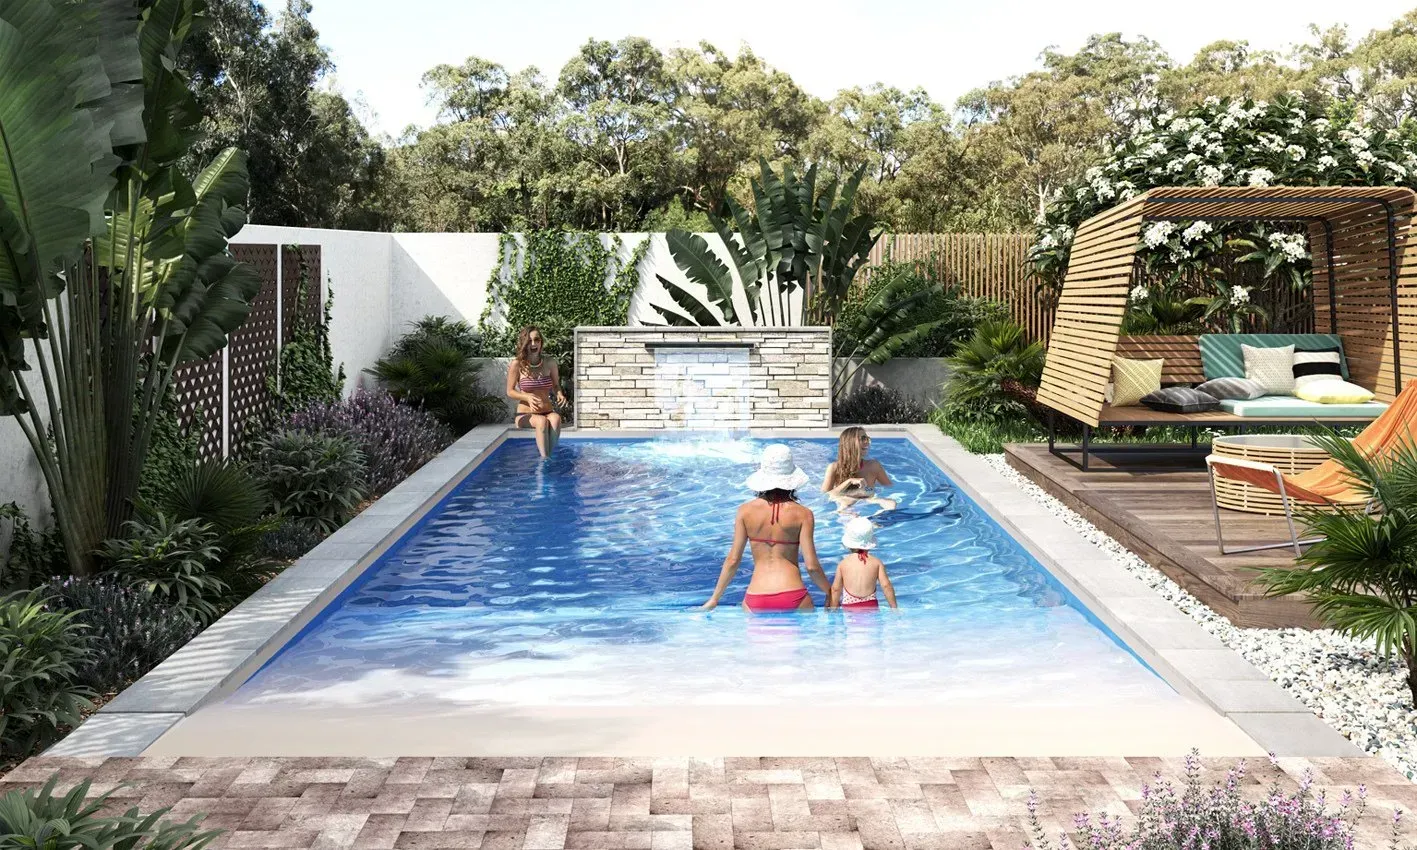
(776,471)
(860,534)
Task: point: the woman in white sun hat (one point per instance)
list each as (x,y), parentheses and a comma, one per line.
(859,573)
(779,530)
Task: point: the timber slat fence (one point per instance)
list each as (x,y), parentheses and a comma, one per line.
(987,265)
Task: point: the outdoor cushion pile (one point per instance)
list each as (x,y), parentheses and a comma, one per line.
(1288,376)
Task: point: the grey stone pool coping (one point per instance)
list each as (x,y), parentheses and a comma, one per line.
(1176,647)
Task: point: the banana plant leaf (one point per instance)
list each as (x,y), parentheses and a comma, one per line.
(701,265)
(697,310)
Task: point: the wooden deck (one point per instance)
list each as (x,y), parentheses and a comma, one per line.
(1166,518)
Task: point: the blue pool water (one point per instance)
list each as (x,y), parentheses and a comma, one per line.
(574,581)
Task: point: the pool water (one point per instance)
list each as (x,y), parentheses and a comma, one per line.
(575,581)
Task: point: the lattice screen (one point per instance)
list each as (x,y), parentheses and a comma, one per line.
(230,393)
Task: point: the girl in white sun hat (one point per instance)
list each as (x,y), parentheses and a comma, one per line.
(779,530)
(859,574)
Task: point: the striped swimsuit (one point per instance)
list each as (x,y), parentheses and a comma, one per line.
(534,384)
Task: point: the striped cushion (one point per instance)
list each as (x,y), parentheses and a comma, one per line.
(1134,379)
(1318,365)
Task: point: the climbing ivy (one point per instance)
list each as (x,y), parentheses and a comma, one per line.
(556,281)
(305,371)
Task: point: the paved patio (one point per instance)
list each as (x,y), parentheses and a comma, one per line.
(767,803)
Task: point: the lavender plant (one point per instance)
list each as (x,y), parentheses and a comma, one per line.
(129,630)
(395,438)
(1195,817)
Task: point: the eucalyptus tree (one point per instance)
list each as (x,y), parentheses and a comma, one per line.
(115,269)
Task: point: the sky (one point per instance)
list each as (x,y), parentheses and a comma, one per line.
(382,49)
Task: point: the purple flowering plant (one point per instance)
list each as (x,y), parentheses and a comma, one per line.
(395,438)
(1196,817)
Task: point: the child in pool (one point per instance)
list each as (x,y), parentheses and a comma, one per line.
(853,477)
(860,570)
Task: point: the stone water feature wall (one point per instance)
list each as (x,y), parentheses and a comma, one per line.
(621,383)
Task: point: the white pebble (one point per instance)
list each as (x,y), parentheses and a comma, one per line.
(1344,681)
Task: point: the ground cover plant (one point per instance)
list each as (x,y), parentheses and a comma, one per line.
(43,818)
(395,439)
(43,651)
(878,405)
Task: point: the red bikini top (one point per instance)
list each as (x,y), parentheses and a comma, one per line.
(776,506)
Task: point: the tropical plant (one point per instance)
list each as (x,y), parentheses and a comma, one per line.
(315,480)
(995,374)
(1164,316)
(1362,574)
(800,243)
(42,651)
(34,818)
(1218,817)
(958,314)
(289,541)
(128,629)
(31,556)
(878,405)
(228,498)
(433,367)
(395,438)
(891,319)
(115,269)
(177,561)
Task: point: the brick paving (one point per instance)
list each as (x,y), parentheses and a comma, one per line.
(662,803)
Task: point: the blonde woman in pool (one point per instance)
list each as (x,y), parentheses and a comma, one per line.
(853,477)
(533,382)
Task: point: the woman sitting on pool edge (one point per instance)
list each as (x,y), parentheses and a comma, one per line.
(532,378)
(778,527)
(852,477)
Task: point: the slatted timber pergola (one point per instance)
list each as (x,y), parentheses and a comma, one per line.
(1364,290)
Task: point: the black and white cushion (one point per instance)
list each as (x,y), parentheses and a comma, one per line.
(1237,388)
(1323,364)
(1180,400)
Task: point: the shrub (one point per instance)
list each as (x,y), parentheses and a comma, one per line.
(395,438)
(994,374)
(878,405)
(953,314)
(30,557)
(128,629)
(40,818)
(432,367)
(171,450)
(175,560)
(42,651)
(306,366)
(986,437)
(1217,817)
(315,480)
(226,496)
(289,541)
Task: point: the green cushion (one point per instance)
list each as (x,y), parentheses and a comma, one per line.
(1296,408)
(1221,357)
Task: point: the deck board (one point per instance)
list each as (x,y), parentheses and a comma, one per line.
(1166,518)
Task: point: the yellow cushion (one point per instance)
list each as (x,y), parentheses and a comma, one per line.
(1134,379)
(1333,392)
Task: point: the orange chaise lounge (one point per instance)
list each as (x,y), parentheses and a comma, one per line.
(1326,485)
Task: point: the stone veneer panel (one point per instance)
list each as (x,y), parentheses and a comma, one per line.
(789,375)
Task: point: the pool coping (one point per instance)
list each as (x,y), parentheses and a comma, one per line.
(1177,648)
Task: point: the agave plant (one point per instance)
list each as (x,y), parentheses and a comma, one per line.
(1362,574)
(801,244)
(433,367)
(115,269)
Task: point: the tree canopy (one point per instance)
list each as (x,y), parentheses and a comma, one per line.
(625,136)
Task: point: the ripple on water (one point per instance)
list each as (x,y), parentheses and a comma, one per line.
(579,579)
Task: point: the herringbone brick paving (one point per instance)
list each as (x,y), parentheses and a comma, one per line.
(662,803)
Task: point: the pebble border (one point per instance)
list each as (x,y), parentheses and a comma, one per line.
(1344,681)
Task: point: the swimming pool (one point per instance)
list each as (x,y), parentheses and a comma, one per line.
(574,582)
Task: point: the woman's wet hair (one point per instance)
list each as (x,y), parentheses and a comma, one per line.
(778,495)
(849,453)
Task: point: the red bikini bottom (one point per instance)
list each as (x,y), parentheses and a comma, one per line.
(868,605)
(787,600)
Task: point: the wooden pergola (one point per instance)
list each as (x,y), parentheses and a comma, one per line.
(1365,281)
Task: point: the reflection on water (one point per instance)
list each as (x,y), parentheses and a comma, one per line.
(578,581)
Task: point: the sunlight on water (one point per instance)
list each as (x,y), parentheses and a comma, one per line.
(577,581)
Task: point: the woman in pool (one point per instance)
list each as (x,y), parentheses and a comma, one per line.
(532,379)
(853,477)
(779,529)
